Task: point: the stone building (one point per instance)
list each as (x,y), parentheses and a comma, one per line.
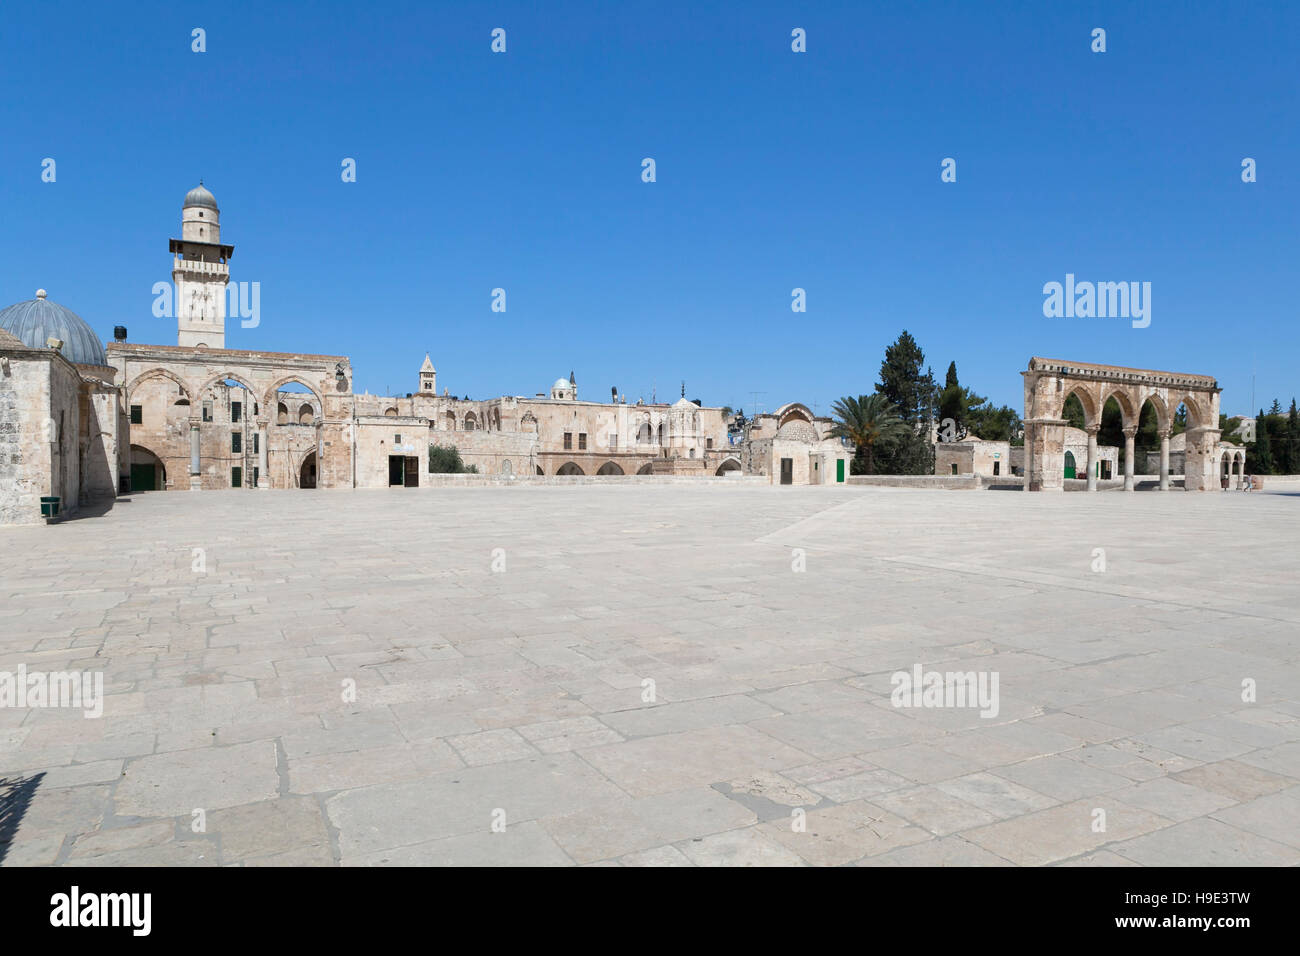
(972,456)
(61,426)
(81,421)
(794,447)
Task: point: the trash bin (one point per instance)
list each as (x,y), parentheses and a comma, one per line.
(50,506)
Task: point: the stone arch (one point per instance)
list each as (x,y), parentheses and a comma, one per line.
(1195,414)
(1087,400)
(450,421)
(569,468)
(644,434)
(610,468)
(795,411)
(276,386)
(306,414)
(158,373)
(1164,414)
(390,411)
(646,469)
(1125,398)
(307,477)
(147,469)
(728,465)
(539,470)
(471,422)
(281,413)
(227,376)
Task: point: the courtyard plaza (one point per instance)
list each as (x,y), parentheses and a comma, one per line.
(655,675)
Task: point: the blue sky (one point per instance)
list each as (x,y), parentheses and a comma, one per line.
(775,170)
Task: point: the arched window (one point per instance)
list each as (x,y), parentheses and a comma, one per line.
(305,415)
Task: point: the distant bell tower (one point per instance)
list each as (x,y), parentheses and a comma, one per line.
(200,271)
(428,377)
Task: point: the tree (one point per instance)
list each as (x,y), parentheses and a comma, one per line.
(1292,439)
(902,382)
(1000,423)
(913,393)
(1259,458)
(446,460)
(871,422)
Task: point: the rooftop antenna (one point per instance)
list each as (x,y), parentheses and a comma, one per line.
(683,388)
(758,408)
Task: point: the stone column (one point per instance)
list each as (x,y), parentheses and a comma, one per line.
(1164,460)
(196,479)
(263,477)
(1045,454)
(1092,457)
(1241,471)
(1130,432)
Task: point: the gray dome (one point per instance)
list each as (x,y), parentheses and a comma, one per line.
(34,321)
(199,196)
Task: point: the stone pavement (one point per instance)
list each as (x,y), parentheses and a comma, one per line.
(643,676)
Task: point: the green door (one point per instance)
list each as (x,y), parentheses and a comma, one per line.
(236,477)
(1069,464)
(839,469)
(144,478)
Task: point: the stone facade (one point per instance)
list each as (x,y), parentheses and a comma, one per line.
(197,416)
(59,432)
(794,447)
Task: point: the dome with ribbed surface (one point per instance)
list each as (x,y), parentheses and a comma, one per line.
(37,320)
(199,196)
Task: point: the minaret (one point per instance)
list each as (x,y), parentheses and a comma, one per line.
(200,271)
(428,377)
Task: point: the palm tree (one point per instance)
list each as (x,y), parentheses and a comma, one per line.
(868,421)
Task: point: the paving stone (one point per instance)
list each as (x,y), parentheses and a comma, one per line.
(523,691)
(175,784)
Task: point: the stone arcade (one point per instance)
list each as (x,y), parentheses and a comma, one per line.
(1049,382)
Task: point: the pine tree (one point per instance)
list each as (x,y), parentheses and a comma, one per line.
(901,380)
(1259,458)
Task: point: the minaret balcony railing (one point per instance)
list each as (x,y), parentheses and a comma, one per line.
(200,267)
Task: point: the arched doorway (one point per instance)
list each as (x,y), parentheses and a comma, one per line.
(1070,465)
(307,473)
(148,473)
(609,468)
(646,469)
(728,466)
(569,468)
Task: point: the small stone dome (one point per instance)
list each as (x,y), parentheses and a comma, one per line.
(199,196)
(37,320)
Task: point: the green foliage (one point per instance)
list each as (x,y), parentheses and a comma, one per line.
(951,378)
(1259,457)
(446,460)
(902,382)
(1073,411)
(872,423)
(994,423)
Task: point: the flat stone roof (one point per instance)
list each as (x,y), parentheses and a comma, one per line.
(136,348)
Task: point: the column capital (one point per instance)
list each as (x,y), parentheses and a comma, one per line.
(1092,430)
(195,422)
(1130,432)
